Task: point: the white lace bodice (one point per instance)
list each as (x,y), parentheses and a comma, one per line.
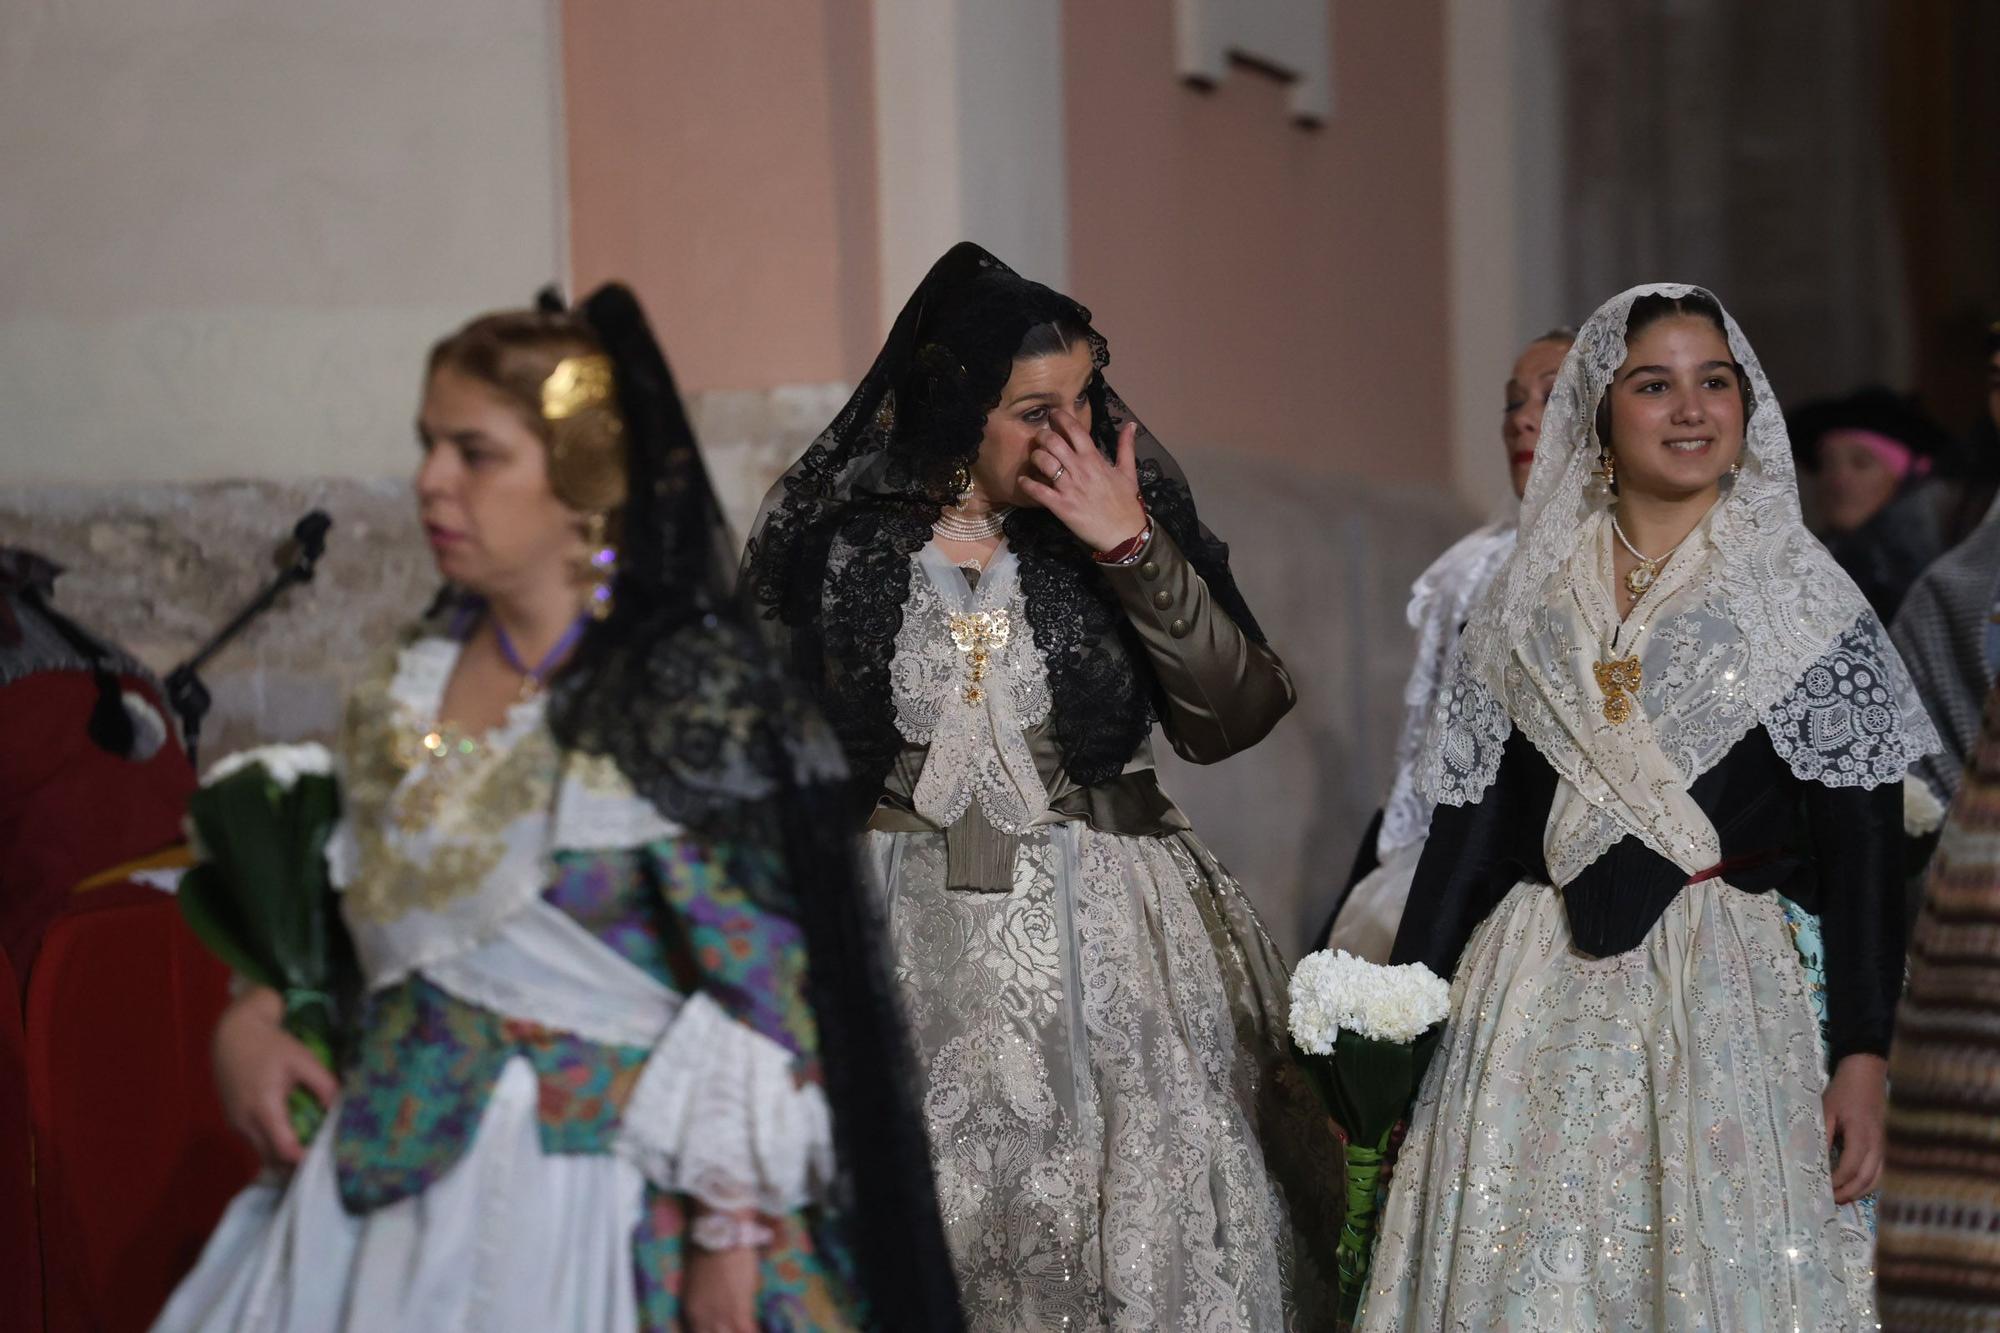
(968,682)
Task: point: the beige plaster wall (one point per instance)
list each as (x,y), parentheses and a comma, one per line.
(1266,287)
(721,159)
(231,228)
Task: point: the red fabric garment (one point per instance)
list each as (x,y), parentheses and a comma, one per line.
(67,808)
(134,1162)
(20,1242)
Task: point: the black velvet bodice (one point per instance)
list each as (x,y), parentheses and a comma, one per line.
(1836,851)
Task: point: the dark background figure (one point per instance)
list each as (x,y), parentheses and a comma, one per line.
(92,775)
(1868,459)
(1974,465)
(1947,630)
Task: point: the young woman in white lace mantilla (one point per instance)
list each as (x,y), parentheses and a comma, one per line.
(1670,705)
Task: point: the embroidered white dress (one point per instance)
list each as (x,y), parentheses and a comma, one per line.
(1632,1141)
(447,885)
(1622,1127)
(1098,1081)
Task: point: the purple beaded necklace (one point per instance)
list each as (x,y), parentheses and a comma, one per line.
(532,679)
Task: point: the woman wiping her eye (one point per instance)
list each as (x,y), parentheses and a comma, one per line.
(995,578)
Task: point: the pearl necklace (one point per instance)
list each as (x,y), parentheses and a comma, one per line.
(1647,572)
(954,527)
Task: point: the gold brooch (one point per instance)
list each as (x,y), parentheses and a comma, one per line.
(977,634)
(1619,679)
(576,383)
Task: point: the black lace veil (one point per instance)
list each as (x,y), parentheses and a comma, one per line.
(678,690)
(828,563)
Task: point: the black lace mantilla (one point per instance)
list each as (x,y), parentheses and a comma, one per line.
(829,563)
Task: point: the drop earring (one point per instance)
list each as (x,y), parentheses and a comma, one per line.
(1607,468)
(602,566)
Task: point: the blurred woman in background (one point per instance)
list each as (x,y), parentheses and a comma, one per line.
(1364,920)
(1868,457)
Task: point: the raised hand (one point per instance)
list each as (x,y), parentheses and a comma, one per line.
(1095,498)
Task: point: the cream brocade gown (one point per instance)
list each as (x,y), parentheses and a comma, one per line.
(1099,1014)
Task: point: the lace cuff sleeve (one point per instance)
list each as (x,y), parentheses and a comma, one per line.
(1853,719)
(718,1115)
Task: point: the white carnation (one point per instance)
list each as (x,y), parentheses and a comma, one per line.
(1923,812)
(1331,991)
(285,764)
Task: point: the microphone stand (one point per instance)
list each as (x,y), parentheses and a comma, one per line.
(185,691)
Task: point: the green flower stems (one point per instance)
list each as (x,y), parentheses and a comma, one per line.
(309,1017)
(1357,1229)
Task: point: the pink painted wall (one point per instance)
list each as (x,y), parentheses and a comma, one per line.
(1267,287)
(722,161)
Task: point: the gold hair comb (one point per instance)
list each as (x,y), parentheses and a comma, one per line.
(577,382)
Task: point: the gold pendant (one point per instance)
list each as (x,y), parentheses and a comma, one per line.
(977,634)
(1641,577)
(1619,679)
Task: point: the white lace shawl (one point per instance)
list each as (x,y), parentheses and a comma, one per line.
(715,1112)
(1440,599)
(978,748)
(1751,623)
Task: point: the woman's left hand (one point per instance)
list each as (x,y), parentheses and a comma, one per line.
(1856,1104)
(1096,499)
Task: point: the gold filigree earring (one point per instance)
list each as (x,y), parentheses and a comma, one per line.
(961,486)
(1607,468)
(601,566)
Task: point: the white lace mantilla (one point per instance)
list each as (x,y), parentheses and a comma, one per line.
(1439,601)
(968,682)
(1751,622)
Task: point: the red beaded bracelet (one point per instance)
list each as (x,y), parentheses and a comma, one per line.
(1126,551)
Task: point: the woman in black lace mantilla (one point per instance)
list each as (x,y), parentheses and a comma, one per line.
(995,579)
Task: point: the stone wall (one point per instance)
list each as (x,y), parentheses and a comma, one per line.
(1326,563)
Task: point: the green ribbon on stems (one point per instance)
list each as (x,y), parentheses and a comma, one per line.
(1357,1228)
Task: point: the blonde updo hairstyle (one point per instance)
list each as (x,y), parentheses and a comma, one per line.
(515,353)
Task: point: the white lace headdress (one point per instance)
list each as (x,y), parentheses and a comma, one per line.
(1751,622)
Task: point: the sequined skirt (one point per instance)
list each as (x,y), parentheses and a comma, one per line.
(1633,1142)
(1119,1138)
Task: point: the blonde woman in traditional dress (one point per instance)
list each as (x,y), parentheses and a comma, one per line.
(630,1062)
(1671,704)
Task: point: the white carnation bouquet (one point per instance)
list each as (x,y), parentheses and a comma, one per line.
(1363,1033)
(260,898)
